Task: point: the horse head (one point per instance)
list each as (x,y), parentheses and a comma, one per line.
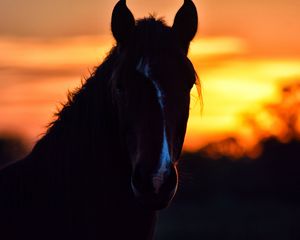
(151,88)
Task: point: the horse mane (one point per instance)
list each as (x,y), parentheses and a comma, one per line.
(88,106)
(96,81)
(102,75)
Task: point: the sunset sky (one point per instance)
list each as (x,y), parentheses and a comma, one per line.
(244,52)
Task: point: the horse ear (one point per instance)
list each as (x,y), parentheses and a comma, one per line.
(185,24)
(122,21)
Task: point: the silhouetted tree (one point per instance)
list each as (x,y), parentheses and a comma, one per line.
(280,120)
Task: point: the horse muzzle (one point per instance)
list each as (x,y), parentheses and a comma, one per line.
(155,190)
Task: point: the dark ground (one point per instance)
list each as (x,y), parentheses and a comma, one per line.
(241,199)
(226,199)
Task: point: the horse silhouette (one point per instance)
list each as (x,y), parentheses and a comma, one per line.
(108,162)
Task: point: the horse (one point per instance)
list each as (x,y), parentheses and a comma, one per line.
(107,164)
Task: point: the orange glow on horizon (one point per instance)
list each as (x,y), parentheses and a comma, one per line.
(232,84)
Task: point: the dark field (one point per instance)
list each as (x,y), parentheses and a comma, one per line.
(241,199)
(227,218)
(226,199)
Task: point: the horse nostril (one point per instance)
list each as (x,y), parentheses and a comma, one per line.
(167,182)
(155,190)
(141,181)
(159,183)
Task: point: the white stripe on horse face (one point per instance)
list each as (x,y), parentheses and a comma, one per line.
(165,159)
(143,68)
(159,96)
(164,165)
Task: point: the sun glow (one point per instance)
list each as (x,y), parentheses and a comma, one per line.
(215,47)
(36,75)
(233,89)
(31,52)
